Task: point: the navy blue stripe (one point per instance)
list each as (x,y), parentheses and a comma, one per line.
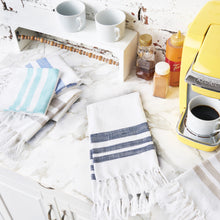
(124,132)
(120,146)
(91,155)
(123,154)
(93,177)
(71,84)
(63,86)
(92,167)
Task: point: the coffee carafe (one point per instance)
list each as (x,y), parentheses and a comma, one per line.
(200,73)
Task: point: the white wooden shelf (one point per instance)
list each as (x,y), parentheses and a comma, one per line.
(44,21)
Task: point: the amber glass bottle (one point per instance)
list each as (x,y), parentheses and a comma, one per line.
(145,64)
(174,48)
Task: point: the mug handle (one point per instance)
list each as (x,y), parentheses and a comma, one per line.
(117,33)
(217,130)
(79,20)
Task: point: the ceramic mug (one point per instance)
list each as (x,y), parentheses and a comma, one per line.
(72,15)
(110,25)
(203,116)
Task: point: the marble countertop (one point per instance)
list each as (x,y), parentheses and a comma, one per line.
(61,158)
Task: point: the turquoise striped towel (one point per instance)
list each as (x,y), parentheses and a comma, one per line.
(68,77)
(28,90)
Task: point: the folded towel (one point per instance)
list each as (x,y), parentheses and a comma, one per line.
(28,90)
(16,129)
(52,122)
(124,165)
(195,194)
(68,77)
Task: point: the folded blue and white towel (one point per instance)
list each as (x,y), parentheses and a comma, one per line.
(16,129)
(124,165)
(68,78)
(28,90)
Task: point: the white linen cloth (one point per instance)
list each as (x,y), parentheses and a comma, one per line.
(16,128)
(195,194)
(68,77)
(28,90)
(124,165)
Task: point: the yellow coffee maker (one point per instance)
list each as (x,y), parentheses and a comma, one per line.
(200,70)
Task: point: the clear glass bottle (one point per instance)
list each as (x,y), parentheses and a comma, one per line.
(145,64)
(161,79)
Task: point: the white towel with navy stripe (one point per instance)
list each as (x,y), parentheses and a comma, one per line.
(124,165)
(68,77)
(28,90)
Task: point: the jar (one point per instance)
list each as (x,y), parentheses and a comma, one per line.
(174,47)
(161,79)
(145,64)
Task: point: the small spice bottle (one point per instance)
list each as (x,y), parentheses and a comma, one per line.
(161,79)
(145,64)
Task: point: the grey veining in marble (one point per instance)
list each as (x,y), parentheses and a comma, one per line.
(61,158)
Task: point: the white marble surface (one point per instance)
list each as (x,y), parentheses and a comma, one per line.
(61,158)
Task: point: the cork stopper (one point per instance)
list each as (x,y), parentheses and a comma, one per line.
(177,39)
(145,40)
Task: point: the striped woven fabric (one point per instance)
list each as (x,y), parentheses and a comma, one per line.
(68,77)
(120,143)
(194,194)
(29,90)
(16,129)
(124,166)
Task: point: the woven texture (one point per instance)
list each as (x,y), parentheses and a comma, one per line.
(124,166)
(28,90)
(195,194)
(68,77)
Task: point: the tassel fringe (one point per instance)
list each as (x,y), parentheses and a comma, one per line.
(179,206)
(120,197)
(11,142)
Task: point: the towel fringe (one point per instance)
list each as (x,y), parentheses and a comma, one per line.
(127,195)
(179,206)
(11,143)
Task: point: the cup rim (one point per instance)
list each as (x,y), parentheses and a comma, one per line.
(110,9)
(71,1)
(201,96)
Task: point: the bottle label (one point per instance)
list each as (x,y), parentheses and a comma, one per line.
(174,66)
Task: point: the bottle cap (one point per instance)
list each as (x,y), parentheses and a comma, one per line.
(145,40)
(177,39)
(162,68)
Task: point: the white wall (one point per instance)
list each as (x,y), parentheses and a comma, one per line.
(157,17)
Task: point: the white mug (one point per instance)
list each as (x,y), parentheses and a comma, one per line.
(72,15)
(203,116)
(110,25)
